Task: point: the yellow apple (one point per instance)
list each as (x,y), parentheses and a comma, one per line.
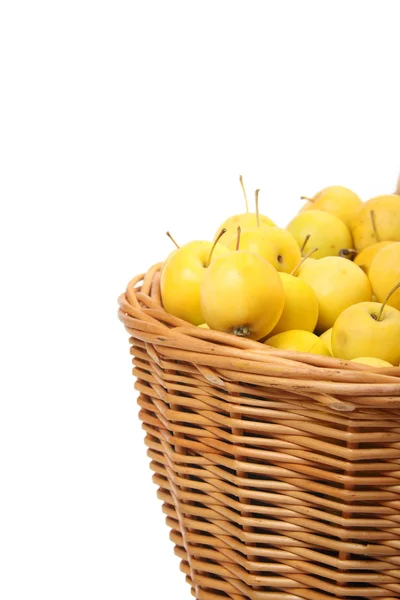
(242,293)
(337,283)
(365,330)
(371,360)
(299,341)
(337,200)
(366,256)
(386,217)
(274,244)
(326,232)
(326,337)
(300,310)
(181,276)
(247,220)
(384,274)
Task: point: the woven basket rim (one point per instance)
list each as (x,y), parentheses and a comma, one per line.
(223,358)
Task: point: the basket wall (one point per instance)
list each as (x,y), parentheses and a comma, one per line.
(279,477)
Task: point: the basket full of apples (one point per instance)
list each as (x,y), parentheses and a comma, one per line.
(267,363)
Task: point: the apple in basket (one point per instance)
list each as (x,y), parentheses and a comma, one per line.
(385,272)
(274,244)
(368,329)
(337,200)
(245,220)
(326,337)
(372,361)
(337,283)
(182,274)
(364,258)
(242,293)
(300,341)
(322,230)
(384,226)
(300,310)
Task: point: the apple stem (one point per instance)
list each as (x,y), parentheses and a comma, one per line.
(257,211)
(349,253)
(305,242)
(373,221)
(307,198)
(303,259)
(219,236)
(396,287)
(239,231)
(244,193)
(172,239)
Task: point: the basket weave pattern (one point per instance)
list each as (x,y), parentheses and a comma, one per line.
(279,472)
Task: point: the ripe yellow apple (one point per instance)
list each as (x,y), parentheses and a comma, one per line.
(386,212)
(245,221)
(274,244)
(181,276)
(361,331)
(242,293)
(366,256)
(326,337)
(371,360)
(298,340)
(337,200)
(337,283)
(384,274)
(326,232)
(300,310)
(203,326)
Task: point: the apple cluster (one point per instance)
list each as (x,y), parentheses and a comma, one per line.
(328,283)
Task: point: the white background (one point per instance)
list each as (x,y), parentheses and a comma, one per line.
(118,121)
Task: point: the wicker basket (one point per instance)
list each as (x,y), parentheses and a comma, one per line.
(279,472)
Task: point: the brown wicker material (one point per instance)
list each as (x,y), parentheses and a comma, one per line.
(279,472)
